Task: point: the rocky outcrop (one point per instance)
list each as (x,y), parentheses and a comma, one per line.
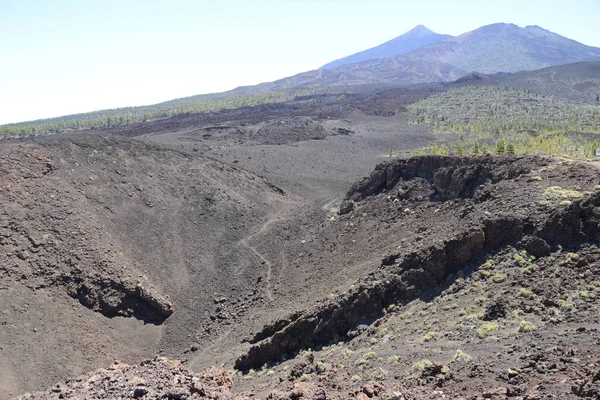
(157,379)
(579,223)
(405,276)
(399,282)
(113,297)
(451,177)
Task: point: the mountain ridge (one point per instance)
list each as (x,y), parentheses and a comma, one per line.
(416,38)
(490,49)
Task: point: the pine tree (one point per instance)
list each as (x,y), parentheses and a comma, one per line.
(500,148)
(510,149)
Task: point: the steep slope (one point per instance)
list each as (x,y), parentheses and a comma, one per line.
(416,38)
(103,238)
(494,256)
(481,280)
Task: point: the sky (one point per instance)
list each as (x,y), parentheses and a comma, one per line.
(68,56)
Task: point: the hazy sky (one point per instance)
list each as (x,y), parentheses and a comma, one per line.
(61,57)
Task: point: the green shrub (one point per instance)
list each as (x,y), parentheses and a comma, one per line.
(525,326)
(430,336)
(381,375)
(527,293)
(572,257)
(566,304)
(522,261)
(321,367)
(420,365)
(304,377)
(461,357)
(557,192)
(487,328)
(484,274)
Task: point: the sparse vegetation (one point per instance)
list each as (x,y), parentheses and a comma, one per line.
(526,293)
(496,110)
(582,294)
(394,359)
(521,261)
(571,258)
(381,374)
(453,285)
(429,336)
(461,357)
(486,329)
(124,116)
(557,192)
(509,121)
(370,355)
(420,365)
(525,326)
(304,377)
(321,367)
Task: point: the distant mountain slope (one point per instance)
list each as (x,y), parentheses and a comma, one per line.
(415,39)
(508,48)
(489,49)
(492,49)
(399,70)
(576,82)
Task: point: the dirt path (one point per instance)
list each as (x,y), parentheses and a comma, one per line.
(281,215)
(329,205)
(263,261)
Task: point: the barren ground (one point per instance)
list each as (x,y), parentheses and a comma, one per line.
(215,240)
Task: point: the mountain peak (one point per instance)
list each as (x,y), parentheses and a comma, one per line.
(420,29)
(420,55)
(536,28)
(499,26)
(417,38)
